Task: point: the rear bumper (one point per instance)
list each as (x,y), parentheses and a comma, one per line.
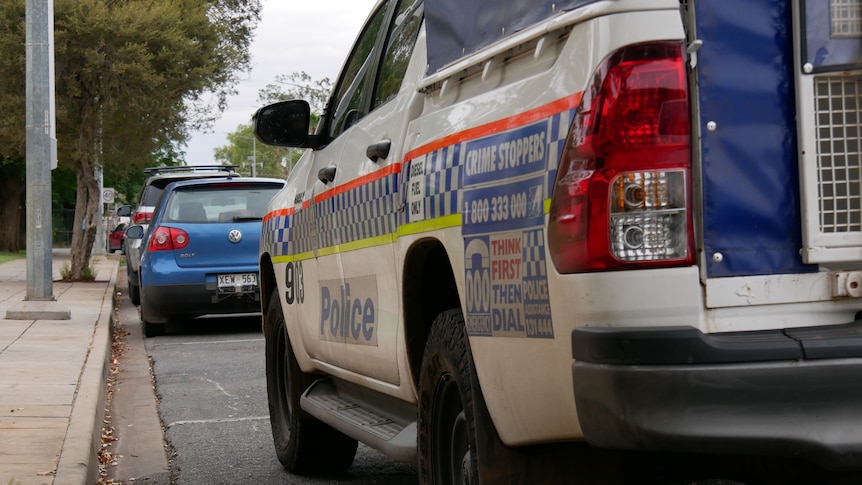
(161,303)
(795,392)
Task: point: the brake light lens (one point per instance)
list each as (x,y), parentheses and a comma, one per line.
(621,198)
(168,239)
(141,217)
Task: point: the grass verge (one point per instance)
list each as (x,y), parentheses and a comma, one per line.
(5,256)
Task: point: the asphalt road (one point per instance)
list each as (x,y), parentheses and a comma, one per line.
(209,398)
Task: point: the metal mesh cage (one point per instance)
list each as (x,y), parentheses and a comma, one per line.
(845,18)
(839,163)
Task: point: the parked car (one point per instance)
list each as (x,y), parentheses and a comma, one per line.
(199,253)
(115,239)
(157,179)
(530,226)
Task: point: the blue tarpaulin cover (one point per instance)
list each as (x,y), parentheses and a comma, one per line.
(751,206)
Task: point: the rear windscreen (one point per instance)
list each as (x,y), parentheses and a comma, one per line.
(227,204)
(151,195)
(457,28)
(154,190)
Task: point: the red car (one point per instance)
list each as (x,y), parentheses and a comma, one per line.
(115,239)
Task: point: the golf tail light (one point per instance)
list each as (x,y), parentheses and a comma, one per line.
(168,239)
(621,197)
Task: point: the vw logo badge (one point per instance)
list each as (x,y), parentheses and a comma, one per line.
(235,236)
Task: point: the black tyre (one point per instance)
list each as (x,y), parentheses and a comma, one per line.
(153,329)
(134,288)
(447,426)
(150,329)
(303,444)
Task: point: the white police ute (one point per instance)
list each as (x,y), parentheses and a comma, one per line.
(635,224)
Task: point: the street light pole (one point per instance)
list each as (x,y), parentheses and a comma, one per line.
(253,157)
(39,120)
(39,302)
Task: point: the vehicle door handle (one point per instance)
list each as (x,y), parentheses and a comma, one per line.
(378,150)
(326,174)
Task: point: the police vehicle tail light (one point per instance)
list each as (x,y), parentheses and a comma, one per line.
(168,239)
(141,217)
(621,198)
(648,216)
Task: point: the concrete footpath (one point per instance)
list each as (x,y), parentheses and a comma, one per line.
(53,377)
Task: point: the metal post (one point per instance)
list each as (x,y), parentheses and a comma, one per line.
(101,232)
(253,158)
(39,301)
(40,118)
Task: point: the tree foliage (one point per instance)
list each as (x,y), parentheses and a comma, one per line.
(243,149)
(275,161)
(133,78)
(297,85)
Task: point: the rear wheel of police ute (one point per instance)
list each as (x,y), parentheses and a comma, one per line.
(447,427)
(303,444)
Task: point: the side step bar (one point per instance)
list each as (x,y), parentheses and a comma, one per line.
(382,422)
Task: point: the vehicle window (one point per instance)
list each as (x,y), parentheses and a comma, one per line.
(405,29)
(151,195)
(346,103)
(219,205)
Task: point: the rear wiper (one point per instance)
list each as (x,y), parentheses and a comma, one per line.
(246,219)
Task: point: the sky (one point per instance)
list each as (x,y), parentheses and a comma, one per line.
(314,36)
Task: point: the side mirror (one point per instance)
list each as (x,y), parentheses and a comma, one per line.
(135,232)
(284,124)
(124,211)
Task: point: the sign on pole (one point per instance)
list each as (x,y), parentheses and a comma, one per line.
(107,195)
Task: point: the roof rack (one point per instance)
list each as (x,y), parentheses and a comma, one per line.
(150,171)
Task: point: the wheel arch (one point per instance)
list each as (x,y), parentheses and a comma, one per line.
(429,289)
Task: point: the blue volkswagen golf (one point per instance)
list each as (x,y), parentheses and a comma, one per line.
(200,252)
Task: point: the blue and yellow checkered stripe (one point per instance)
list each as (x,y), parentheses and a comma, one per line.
(303,236)
(367,211)
(274,235)
(374,213)
(533,254)
(442,181)
(289,234)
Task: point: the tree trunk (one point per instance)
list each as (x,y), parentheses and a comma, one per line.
(86,220)
(12,200)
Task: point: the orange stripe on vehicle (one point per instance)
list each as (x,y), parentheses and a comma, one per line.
(504,124)
(278,213)
(371,177)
